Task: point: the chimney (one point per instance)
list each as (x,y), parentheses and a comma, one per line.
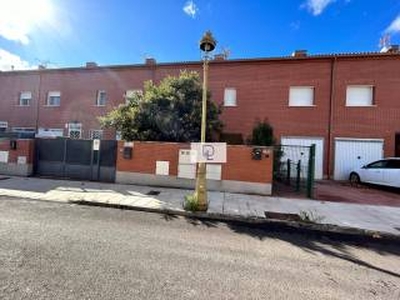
(150,61)
(299,53)
(220,56)
(91,65)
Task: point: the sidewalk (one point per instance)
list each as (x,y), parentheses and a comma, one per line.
(370,217)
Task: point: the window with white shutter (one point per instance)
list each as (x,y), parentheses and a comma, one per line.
(101,98)
(230,97)
(25,98)
(360,95)
(301,96)
(53,98)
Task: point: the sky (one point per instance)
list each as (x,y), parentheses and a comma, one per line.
(67,33)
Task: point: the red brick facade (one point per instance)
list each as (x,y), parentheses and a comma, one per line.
(262,87)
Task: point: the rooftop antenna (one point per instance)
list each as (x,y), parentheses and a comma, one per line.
(384,42)
(44,63)
(226,52)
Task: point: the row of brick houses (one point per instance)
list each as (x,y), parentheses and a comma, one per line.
(347,104)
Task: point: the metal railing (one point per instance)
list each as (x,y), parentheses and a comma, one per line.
(294,166)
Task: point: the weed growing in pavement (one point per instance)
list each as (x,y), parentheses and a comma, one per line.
(190,203)
(310,216)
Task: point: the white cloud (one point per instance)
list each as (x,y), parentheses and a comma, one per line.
(10,61)
(394,27)
(190,8)
(316,7)
(12,33)
(18,18)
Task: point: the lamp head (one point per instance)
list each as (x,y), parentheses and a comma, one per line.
(207,42)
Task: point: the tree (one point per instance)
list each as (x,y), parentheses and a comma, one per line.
(169,111)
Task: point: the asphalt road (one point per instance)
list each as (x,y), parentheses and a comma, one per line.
(62,251)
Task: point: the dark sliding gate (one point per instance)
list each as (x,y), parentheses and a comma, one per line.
(76,159)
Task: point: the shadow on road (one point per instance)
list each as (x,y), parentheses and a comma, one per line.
(310,242)
(313,243)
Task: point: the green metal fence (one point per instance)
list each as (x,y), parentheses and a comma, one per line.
(294,169)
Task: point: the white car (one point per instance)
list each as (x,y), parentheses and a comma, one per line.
(383,172)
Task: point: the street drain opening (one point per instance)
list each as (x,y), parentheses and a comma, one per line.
(153,193)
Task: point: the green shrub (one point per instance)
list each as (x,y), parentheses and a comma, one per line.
(263,134)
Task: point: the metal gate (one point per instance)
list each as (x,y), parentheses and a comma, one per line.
(294,170)
(76,159)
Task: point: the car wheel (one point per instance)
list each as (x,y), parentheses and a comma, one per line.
(354,179)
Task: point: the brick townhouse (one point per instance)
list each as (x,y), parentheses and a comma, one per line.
(347,104)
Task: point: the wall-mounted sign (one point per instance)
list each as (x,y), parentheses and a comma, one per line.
(96,145)
(208,152)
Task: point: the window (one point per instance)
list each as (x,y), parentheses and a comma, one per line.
(101,98)
(377,165)
(53,98)
(3,126)
(25,98)
(301,96)
(23,129)
(393,164)
(96,134)
(230,97)
(50,132)
(131,94)
(24,132)
(75,130)
(359,95)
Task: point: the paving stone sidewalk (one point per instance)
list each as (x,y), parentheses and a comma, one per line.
(371,217)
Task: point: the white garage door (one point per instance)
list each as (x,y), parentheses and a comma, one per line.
(305,141)
(354,153)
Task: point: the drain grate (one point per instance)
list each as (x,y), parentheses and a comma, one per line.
(153,193)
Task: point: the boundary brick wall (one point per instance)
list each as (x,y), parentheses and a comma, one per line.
(24,148)
(240,173)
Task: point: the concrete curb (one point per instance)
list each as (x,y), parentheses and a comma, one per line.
(334,232)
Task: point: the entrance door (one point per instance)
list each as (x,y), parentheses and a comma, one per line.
(397,145)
